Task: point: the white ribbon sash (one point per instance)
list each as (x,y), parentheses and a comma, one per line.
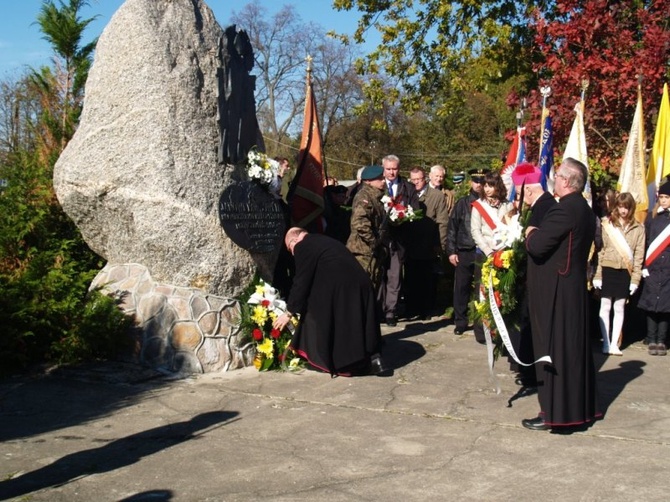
(657,246)
(620,244)
(502,331)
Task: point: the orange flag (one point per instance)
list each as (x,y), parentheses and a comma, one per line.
(305,195)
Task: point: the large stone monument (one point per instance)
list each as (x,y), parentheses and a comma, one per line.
(142,181)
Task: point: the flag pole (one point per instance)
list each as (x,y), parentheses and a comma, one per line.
(546,92)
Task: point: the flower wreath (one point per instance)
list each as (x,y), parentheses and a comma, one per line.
(260,305)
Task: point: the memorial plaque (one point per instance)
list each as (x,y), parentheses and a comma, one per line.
(252,217)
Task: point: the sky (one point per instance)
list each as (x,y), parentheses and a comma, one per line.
(22,46)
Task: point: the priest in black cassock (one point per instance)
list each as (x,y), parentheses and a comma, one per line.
(558,252)
(339,330)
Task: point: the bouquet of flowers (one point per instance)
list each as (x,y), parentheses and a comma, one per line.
(503,274)
(262,168)
(259,309)
(398,213)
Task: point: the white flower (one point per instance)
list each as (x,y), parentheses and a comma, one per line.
(266,293)
(261,167)
(504,236)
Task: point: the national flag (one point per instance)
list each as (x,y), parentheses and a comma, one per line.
(305,196)
(659,162)
(547,152)
(515,156)
(632,176)
(576,147)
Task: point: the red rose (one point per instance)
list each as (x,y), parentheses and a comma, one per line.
(496,297)
(265,303)
(257,334)
(497,259)
(275,333)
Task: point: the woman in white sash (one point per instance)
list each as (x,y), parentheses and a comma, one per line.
(489,216)
(619,268)
(655,295)
(488,228)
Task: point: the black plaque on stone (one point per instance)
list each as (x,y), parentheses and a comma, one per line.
(252,217)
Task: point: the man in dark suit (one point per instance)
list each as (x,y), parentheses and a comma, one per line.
(402,192)
(558,252)
(428,241)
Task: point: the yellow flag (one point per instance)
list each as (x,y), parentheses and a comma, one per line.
(632,177)
(659,162)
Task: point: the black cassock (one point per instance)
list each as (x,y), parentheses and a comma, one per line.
(558,306)
(339,328)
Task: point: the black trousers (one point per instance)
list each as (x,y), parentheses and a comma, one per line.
(420,287)
(467,276)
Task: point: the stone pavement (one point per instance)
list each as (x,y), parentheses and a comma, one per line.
(436,429)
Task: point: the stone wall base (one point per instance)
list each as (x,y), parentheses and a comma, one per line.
(178,329)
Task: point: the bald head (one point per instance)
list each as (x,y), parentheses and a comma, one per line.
(293,236)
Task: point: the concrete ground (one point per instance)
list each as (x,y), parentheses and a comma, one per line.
(436,429)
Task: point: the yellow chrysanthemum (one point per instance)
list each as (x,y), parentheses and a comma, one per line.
(480,307)
(260,315)
(506,257)
(260,289)
(266,348)
(273,315)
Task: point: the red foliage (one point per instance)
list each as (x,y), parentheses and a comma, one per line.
(609,44)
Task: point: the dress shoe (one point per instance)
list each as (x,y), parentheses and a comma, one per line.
(391,321)
(377,367)
(459,331)
(535,424)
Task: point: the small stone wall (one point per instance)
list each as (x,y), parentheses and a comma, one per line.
(179,329)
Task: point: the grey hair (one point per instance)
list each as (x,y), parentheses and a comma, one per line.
(438,167)
(391,158)
(576,175)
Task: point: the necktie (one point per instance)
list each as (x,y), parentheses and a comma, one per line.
(391,189)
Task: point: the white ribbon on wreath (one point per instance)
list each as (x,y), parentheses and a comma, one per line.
(504,334)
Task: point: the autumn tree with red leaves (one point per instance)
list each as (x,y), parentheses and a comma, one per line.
(609,44)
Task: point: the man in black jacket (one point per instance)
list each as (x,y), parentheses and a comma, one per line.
(461,250)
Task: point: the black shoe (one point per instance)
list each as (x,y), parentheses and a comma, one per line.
(535,424)
(391,321)
(377,368)
(459,331)
(525,382)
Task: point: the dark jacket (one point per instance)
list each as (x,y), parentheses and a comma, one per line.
(407,196)
(655,295)
(459,235)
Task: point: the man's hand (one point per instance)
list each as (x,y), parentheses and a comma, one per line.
(529,230)
(281,321)
(453,259)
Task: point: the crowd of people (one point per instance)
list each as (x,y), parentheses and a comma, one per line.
(394,267)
